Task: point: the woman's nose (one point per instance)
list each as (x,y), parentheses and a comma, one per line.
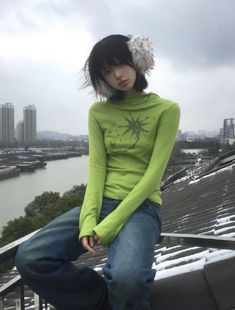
(117,72)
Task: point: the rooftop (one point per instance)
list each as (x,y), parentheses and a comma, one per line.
(199,201)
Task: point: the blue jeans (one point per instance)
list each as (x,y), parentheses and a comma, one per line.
(44,262)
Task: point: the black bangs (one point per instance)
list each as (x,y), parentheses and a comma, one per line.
(113,51)
(110,51)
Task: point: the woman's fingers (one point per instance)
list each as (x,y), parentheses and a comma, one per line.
(86,244)
(91,241)
(97,240)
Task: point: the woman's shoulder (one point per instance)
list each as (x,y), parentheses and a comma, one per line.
(97,106)
(163,102)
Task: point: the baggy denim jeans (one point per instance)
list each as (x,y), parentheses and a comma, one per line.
(45,262)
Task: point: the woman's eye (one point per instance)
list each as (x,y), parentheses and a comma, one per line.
(106,72)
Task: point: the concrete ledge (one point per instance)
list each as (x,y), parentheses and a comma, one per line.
(187,291)
(220,277)
(211,288)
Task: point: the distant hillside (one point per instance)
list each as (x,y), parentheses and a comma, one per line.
(54,135)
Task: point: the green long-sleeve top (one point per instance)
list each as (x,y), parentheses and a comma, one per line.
(130,142)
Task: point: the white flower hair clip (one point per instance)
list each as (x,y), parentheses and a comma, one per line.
(141,49)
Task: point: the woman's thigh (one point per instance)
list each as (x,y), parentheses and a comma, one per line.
(133,248)
(58,239)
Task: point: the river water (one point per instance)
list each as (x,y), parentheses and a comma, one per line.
(58,176)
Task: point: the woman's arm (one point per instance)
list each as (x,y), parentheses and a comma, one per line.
(164,142)
(96,178)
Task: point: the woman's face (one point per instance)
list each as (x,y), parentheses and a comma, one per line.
(120,77)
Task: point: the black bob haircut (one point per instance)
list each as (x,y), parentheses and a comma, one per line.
(111,51)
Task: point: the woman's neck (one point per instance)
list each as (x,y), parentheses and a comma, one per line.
(132,93)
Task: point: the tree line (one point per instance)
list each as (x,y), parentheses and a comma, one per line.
(43,209)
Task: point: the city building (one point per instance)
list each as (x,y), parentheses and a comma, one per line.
(20,132)
(7,132)
(227,133)
(190,136)
(30,124)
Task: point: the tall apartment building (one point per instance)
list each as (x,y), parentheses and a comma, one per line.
(30,124)
(227,133)
(7,131)
(20,132)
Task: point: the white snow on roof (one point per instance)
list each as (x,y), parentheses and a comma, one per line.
(179,261)
(230,167)
(178,270)
(161,258)
(226,219)
(167,266)
(182,179)
(222,231)
(190,263)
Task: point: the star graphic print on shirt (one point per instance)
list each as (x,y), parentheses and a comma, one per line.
(132,129)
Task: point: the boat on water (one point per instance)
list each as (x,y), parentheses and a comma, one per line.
(36,163)
(8,171)
(26,167)
(31,166)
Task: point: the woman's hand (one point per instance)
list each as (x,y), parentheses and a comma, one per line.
(89,242)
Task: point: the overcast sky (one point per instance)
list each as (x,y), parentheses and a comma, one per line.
(44,44)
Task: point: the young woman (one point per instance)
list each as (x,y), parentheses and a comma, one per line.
(131,135)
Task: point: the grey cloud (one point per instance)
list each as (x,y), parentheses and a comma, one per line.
(94,13)
(60,9)
(189,33)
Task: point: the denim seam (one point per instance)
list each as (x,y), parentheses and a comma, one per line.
(157,217)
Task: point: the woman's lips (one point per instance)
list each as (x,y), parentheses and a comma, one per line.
(123,83)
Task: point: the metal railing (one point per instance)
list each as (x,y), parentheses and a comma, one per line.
(203,241)
(16,284)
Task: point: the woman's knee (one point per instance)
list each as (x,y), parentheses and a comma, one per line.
(131,283)
(24,260)
(29,259)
